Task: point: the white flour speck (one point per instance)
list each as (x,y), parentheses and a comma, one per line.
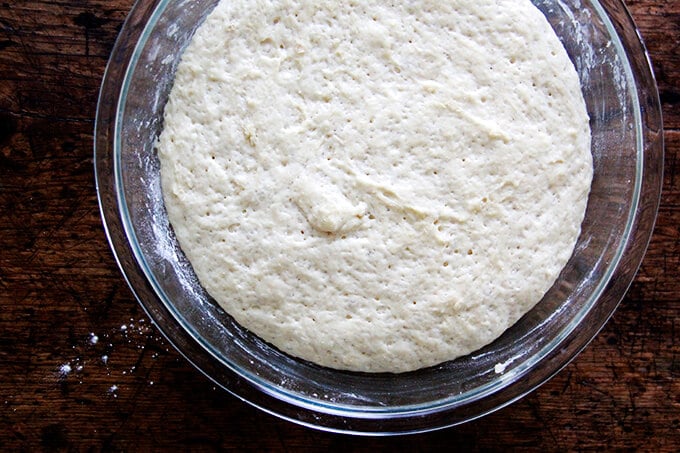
(93,338)
(500,367)
(123,328)
(65,369)
(105,359)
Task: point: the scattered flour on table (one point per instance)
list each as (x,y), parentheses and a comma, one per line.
(136,333)
(375,186)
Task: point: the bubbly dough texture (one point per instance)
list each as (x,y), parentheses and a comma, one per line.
(376,186)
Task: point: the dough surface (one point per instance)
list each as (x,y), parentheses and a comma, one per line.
(373,186)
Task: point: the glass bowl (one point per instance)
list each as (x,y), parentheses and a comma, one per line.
(627,146)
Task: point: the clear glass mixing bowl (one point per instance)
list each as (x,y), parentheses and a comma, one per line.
(627,147)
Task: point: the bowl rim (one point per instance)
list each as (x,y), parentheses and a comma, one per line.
(559,353)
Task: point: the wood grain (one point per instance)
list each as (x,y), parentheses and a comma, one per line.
(81,368)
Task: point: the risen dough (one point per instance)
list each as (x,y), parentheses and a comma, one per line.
(374,186)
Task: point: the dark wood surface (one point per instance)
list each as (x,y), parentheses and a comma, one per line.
(127,389)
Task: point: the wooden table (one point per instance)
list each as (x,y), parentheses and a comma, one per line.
(81,367)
